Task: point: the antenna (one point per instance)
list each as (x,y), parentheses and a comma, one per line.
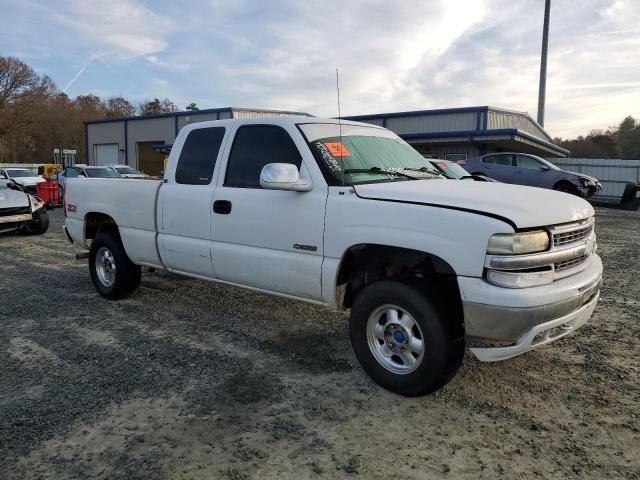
(340,122)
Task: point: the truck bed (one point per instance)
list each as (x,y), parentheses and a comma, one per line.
(131,202)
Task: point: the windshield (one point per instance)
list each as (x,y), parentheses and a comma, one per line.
(20,172)
(357,154)
(451,169)
(126,170)
(100,173)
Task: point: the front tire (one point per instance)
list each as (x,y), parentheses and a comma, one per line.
(402,340)
(113,274)
(39,225)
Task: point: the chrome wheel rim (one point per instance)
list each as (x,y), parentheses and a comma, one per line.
(105,267)
(395,339)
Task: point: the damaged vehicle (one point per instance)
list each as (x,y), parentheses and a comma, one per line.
(349,216)
(21,211)
(23,177)
(532,171)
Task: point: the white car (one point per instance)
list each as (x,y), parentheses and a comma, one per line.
(349,216)
(22,176)
(20,211)
(85,171)
(127,171)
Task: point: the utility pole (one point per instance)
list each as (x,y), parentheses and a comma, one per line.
(543,63)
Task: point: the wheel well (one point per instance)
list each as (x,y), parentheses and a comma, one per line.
(364,264)
(95,222)
(564,182)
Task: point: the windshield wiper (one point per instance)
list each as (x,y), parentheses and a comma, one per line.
(430,171)
(379,170)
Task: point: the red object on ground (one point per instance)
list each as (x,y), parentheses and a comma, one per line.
(49,193)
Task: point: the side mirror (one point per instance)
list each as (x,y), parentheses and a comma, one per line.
(544,167)
(283,176)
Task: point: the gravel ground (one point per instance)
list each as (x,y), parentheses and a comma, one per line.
(193,380)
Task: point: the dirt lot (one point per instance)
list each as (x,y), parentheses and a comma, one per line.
(193,380)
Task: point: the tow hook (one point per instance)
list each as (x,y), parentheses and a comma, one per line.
(82,256)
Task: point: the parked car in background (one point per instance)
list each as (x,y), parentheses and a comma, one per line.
(127,171)
(21,211)
(85,171)
(455,171)
(533,171)
(23,176)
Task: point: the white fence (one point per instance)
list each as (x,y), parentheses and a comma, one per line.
(30,166)
(614,174)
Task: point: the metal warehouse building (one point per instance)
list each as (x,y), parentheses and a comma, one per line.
(452,133)
(459,133)
(131,140)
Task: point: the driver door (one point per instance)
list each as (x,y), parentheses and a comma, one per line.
(271,240)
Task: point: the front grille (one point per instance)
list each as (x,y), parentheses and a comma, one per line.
(9,211)
(565,264)
(562,238)
(32,189)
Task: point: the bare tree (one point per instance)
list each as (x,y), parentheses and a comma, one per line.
(119,107)
(20,89)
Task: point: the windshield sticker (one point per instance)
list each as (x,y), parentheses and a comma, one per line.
(329,159)
(337,149)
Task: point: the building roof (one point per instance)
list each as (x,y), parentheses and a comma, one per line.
(483,124)
(231,110)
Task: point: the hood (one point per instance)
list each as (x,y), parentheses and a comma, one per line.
(28,180)
(526,207)
(582,175)
(13,198)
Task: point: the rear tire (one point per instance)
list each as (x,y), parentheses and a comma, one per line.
(113,274)
(411,352)
(39,225)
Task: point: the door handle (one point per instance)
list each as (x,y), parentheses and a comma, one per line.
(222,207)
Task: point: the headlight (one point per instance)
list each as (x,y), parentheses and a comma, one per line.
(516,243)
(519,279)
(36,203)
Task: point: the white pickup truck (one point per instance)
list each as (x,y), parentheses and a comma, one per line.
(349,216)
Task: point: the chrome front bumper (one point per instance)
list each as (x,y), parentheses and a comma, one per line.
(540,334)
(518,320)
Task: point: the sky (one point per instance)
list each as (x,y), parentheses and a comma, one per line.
(392,55)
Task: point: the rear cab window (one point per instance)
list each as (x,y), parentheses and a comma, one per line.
(199,155)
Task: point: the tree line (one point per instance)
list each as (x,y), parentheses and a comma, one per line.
(620,141)
(36,116)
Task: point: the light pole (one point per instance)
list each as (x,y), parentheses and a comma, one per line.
(543,63)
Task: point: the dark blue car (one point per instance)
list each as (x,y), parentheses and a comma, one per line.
(525,169)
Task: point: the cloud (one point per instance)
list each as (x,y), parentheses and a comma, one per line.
(126,28)
(392,55)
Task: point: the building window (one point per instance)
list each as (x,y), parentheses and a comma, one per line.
(455,157)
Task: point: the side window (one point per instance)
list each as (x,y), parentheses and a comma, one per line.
(527,162)
(505,160)
(254,147)
(71,173)
(198,156)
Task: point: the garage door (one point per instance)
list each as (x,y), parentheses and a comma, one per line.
(106,154)
(150,161)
